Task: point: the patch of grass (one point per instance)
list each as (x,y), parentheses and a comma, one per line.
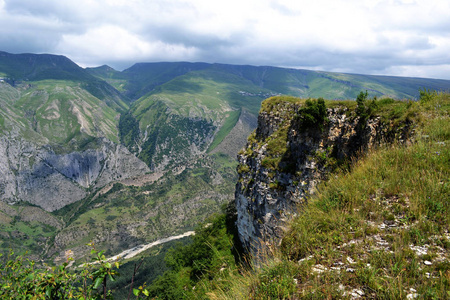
(229,123)
(275,280)
(269,104)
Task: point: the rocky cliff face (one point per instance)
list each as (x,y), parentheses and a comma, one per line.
(38,175)
(284,161)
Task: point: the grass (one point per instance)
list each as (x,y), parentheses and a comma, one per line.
(228,125)
(379,230)
(55,110)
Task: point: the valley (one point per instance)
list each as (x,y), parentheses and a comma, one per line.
(128,158)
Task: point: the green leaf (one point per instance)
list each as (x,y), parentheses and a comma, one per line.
(98,282)
(146,292)
(48,291)
(136,292)
(108,265)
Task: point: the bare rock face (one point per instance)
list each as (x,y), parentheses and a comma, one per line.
(36,174)
(283,163)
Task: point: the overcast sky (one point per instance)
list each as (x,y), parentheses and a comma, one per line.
(389,37)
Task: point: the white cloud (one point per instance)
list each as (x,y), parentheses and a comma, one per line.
(426,71)
(368,36)
(113,43)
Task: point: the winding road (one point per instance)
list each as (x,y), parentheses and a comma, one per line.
(129,253)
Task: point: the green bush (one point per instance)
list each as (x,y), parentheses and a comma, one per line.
(200,261)
(427,95)
(313,114)
(364,108)
(20,278)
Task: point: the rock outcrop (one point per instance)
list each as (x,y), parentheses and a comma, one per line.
(283,162)
(38,175)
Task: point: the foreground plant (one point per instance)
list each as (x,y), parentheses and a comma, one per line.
(20,278)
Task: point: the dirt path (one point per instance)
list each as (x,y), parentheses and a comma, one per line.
(129,253)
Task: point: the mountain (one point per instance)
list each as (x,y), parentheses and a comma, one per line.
(136,155)
(35,67)
(58,142)
(295,82)
(206,101)
(123,158)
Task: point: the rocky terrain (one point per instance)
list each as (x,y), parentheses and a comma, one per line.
(283,162)
(39,176)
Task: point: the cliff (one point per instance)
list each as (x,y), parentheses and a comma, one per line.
(290,153)
(38,175)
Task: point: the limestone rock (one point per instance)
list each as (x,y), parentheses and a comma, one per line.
(36,174)
(267,195)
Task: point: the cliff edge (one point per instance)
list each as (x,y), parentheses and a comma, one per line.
(295,146)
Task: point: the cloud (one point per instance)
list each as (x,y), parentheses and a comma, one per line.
(117,45)
(397,37)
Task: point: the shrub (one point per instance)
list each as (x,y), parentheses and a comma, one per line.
(21,279)
(313,114)
(427,95)
(365,108)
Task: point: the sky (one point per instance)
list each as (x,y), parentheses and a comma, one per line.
(386,37)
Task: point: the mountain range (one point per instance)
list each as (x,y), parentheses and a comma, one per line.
(125,157)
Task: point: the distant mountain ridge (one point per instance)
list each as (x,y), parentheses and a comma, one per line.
(142,78)
(295,82)
(33,67)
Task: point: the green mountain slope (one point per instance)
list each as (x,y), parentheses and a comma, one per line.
(17,68)
(210,97)
(34,67)
(187,114)
(52,100)
(111,76)
(306,83)
(144,78)
(57,112)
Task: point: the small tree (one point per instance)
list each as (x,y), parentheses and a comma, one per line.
(313,114)
(361,104)
(365,108)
